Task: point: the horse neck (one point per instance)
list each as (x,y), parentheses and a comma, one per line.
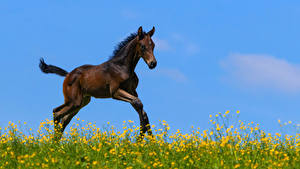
(129,57)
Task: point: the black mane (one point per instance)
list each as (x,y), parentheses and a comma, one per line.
(123,43)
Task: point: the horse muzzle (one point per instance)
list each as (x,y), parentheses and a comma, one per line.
(152,64)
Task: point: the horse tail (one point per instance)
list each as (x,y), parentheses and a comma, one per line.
(51,69)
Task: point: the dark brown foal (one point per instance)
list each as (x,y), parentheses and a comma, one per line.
(114,78)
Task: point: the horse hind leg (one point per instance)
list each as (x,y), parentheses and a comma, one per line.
(60,111)
(57,117)
(73,101)
(73,96)
(59,108)
(68,117)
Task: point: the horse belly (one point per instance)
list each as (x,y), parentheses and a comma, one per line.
(101,94)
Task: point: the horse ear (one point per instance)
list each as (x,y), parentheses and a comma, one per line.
(151,32)
(140,33)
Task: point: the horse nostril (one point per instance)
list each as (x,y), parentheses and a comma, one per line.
(152,65)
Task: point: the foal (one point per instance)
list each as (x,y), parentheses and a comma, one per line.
(114,78)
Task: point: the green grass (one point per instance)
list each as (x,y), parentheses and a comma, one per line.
(229,143)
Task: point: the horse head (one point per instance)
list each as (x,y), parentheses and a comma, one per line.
(145,47)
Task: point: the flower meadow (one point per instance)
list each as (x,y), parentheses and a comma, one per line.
(228,143)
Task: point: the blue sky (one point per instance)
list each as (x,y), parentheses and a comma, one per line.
(212,56)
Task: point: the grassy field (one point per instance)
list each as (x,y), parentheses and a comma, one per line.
(229,143)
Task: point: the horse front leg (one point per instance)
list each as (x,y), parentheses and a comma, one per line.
(138,106)
(144,121)
(147,123)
